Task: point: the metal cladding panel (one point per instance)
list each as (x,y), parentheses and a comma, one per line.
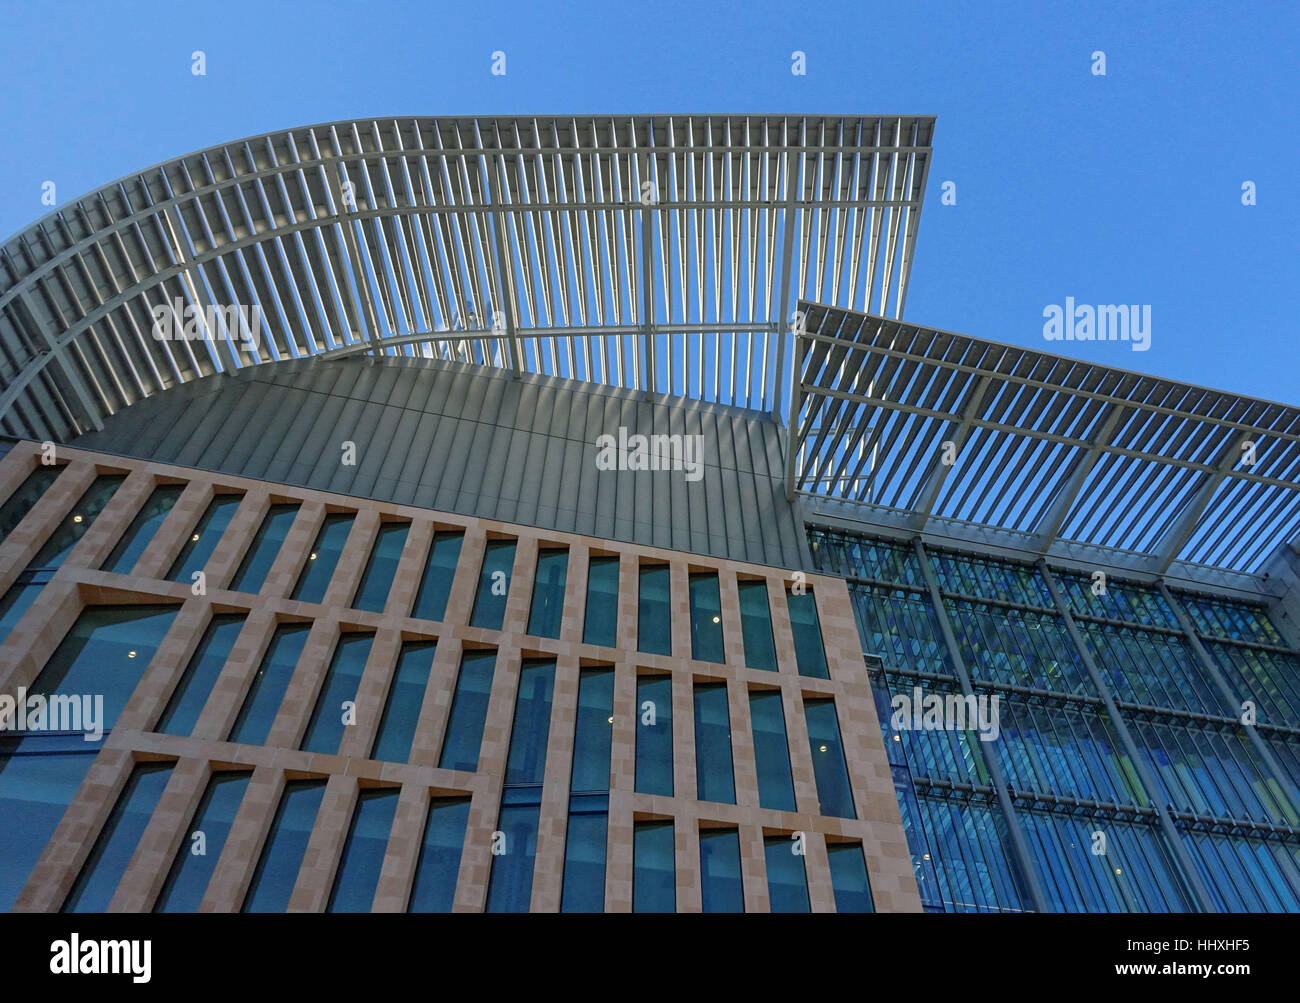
(468,439)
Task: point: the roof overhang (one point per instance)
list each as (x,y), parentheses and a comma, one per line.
(655,252)
(924,432)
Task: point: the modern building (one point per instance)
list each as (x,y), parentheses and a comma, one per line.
(557,514)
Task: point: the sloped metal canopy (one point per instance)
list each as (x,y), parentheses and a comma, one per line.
(656,253)
(1055,456)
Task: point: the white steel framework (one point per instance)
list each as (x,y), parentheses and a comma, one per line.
(660,253)
(1055,456)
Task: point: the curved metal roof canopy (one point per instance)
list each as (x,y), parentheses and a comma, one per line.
(1050,455)
(658,253)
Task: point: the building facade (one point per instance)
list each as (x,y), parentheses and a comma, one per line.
(522,514)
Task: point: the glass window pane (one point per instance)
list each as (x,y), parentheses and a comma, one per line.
(195,685)
(269,685)
(381,569)
(654,868)
(721,887)
(493,584)
(593,732)
(771,752)
(654,735)
(405,698)
(548,593)
(142,529)
(104,654)
(203,541)
(75,523)
(25,498)
(706,618)
(602,602)
(323,558)
(654,622)
(510,885)
(342,679)
(431,603)
(756,626)
(357,876)
(103,869)
(849,878)
(460,745)
(188,879)
(35,790)
(17,600)
(526,762)
(713,772)
(251,575)
(829,767)
(584,854)
(434,889)
(286,845)
(787,881)
(807,630)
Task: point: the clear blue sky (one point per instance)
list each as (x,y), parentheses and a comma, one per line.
(1122,188)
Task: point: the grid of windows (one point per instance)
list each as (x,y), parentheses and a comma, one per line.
(253,676)
(1120,717)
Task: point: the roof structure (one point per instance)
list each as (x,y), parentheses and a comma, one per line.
(654,252)
(1048,455)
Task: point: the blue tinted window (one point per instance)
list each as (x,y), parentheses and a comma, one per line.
(17,600)
(654,735)
(713,773)
(584,854)
(706,617)
(142,528)
(251,575)
(721,887)
(203,541)
(435,587)
(121,834)
(106,653)
(493,584)
(434,889)
(75,523)
(28,494)
(195,685)
(602,602)
(548,593)
(771,752)
(286,845)
(787,882)
(829,767)
(357,877)
(849,878)
(323,558)
(188,879)
(460,745)
(381,569)
(405,698)
(654,868)
(527,759)
(654,633)
(593,732)
(342,679)
(510,885)
(584,850)
(269,684)
(39,777)
(807,631)
(756,626)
